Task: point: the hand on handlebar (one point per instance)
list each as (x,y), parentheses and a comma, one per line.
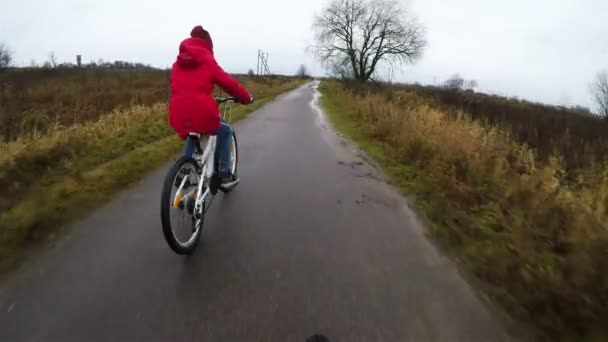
(248,102)
(220,100)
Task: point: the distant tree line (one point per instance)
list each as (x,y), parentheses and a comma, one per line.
(100,64)
(6,61)
(457,82)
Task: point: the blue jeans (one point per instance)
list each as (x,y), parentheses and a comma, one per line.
(224,137)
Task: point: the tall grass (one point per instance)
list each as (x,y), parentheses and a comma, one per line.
(533,233)
(29,160)
(578,136)
(33,101)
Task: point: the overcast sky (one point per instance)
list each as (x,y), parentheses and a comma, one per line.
(543,50)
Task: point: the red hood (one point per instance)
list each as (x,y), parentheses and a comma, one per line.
(193,52)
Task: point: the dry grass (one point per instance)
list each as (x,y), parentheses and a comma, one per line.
(33,101)
(62,151)
(577,135)
(534,234)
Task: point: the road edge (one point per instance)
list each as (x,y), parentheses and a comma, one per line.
(394,175)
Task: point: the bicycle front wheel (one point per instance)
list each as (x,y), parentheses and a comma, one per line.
(182,225)
(234,162)
(234,155)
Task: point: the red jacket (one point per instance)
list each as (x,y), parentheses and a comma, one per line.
(192,107)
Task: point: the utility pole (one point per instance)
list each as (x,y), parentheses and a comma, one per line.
(262,64)
(257,70)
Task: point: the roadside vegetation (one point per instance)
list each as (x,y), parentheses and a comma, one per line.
(34,100)
(579,136)
(73,137)
(517,191)
(532,232)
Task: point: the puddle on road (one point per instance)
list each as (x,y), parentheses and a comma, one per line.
(348,154)
(376,188)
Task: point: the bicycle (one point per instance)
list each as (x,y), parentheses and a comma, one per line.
(190,187)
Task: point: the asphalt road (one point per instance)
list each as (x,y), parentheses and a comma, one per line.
(312,241)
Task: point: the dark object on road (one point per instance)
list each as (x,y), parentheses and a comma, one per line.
(317,338)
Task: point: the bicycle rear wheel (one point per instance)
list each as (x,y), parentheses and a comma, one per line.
(182,226)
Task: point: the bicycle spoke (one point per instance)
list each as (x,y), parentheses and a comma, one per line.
(182,220)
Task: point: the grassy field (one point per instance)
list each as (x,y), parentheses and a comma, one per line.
(54,173)
(532,233)
(35,100)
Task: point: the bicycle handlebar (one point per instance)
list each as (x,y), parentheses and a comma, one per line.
(220,100)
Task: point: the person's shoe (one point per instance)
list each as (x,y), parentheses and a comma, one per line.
(225,176)
(228,180)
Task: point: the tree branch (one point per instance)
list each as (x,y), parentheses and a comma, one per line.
(365,33)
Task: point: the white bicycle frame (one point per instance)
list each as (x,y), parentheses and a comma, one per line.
(207,160)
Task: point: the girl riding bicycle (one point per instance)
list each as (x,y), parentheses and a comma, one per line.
(192,108)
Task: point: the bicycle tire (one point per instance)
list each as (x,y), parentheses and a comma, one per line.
(236,154)
(166,205)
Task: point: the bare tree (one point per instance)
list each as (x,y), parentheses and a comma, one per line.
(302,71)
(6,56)
(471,84)
(600,92)
(455,82)
(353,37)
(52,59)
